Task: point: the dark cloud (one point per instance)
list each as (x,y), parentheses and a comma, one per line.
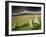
(17,9)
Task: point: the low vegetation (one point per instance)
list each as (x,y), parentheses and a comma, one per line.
(26,22)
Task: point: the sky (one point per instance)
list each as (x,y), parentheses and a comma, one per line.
(22,9)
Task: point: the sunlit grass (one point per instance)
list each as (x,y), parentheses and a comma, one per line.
(25,22)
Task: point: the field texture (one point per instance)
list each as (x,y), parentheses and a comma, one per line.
(26,22)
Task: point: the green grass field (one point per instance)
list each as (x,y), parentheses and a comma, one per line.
(26,22)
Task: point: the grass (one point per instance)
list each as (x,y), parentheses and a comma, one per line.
(22,23)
